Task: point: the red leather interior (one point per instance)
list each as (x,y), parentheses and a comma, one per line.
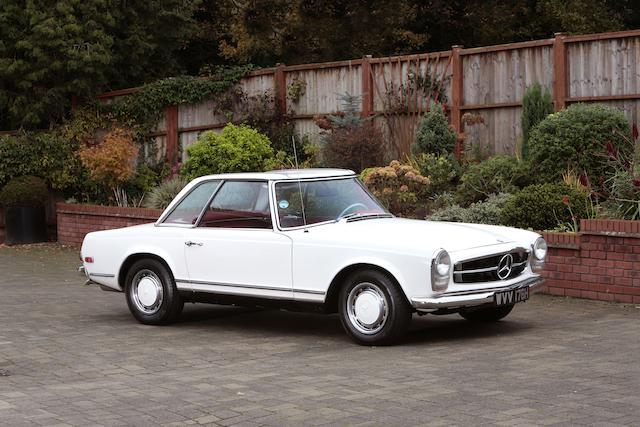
(235,219)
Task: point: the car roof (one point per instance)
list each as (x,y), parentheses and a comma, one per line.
(283,174)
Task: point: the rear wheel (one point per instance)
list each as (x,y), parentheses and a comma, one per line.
(151,293)
(373,310)
(489,314)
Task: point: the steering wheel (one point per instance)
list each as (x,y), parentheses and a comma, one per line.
(348,208)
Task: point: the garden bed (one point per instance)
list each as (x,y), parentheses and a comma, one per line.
(599,263)
(75,221)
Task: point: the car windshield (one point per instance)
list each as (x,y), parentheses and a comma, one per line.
(324,200)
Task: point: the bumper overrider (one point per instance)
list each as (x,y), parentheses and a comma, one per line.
(472,298)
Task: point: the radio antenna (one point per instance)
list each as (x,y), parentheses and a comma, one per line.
(295,157)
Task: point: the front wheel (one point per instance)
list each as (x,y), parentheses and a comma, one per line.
(151,293)
(489,314)
(373,310)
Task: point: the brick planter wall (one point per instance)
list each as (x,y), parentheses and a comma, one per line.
(75,221)
(602,262)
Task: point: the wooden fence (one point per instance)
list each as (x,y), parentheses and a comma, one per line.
(485,81)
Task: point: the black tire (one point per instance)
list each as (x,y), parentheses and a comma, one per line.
(168,304)
(489,314)
(379,288)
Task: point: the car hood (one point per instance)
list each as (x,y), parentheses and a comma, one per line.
(421,234)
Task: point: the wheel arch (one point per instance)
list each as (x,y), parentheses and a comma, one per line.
(132,258)
(331,301)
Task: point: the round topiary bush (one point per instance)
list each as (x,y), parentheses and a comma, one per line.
(545,207)
(579,138)
(499,174)
(237,149)
(435,135)
(25,192)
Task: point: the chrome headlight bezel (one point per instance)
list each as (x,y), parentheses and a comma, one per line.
(539,250)
(441,268)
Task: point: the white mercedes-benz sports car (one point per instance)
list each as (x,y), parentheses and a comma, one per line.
(312,239)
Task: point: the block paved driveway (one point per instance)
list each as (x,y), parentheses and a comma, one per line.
(72,355)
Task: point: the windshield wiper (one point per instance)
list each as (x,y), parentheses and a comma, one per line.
(362,216)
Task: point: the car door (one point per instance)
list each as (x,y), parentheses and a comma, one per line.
(234,248)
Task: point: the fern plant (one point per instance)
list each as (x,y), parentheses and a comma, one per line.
(163,194)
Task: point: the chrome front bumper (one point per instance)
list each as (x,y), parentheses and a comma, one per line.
(476,297)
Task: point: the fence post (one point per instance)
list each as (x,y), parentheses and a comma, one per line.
(280,82)
(560,74)
(171,126)
(456,95)
(367,87)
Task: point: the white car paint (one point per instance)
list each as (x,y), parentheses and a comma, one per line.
(301,263)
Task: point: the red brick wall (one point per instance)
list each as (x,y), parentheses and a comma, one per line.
(602,262)
(75,221)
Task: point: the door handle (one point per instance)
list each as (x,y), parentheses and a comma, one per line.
(190,243)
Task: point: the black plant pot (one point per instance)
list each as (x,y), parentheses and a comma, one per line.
(25,225)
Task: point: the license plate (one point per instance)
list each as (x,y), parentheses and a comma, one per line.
(513,296)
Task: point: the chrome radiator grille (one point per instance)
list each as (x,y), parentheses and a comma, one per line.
(503,266)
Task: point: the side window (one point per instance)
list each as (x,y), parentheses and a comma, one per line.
(188,210)
(239,204)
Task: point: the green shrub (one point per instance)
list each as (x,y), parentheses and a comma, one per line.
(24,191)
(622,188)
(485,212)
(435,135)
(578,138)
(236,149)
(499,174)
(545,207)
(356,147)
(442,170)
(160,196)
(399,187)
(535,107)
(45,154)
(352,142)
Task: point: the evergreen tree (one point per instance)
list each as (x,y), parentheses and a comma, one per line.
(536,105)
(53,50)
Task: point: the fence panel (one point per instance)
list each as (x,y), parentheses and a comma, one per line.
(604,67)
(323,88)
(503,76)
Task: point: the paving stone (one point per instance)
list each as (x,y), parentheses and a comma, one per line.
(72,355)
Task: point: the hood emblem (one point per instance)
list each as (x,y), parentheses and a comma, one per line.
(505,266)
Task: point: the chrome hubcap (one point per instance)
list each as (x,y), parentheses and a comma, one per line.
(367,308)
(147,291)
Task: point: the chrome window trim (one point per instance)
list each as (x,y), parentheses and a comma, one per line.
(224,181)
(161,221)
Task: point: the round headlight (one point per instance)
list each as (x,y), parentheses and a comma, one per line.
(540,249)
(443,263)
(440,269)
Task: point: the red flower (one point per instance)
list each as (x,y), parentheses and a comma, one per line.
(565,200)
